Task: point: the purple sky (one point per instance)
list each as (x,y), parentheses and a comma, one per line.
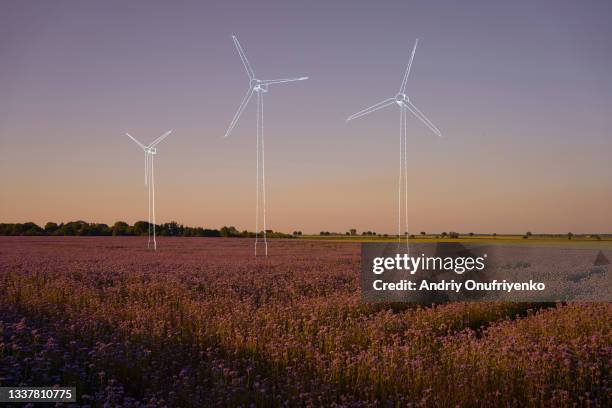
(522,92)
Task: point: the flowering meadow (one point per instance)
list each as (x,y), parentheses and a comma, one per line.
(201,322)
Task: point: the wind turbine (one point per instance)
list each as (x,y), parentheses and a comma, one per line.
(405,104)
(149,179)
(259,87)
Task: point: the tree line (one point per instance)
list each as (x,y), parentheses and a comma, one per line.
(121,228)
(174,229)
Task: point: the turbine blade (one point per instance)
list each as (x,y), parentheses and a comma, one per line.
(136,141)
(405,81)
(159,139)
(281,81)
(243,105)
(146,166)
(244,59)
(372,108)
(416,112)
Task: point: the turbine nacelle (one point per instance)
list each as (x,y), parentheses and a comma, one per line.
(402,98)
(151,149)
(258,85)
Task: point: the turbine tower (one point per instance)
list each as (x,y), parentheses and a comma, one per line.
(405,104)
(149,179)
(259,87)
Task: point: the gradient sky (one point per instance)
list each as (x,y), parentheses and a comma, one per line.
(522,92)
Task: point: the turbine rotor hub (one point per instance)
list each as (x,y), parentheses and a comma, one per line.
(401,98)
(151,150)
(258,86)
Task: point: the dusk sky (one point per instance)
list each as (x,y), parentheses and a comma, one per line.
(522,92)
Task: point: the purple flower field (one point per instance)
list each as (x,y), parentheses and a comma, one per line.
(201,322)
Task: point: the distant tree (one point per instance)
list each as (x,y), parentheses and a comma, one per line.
(353,231)
(211,233)
(411,236)
(495,234)
(453,234)
(31,228)
(75,228)
(171,229)
(444,234)
(51,227)
(570,235)
(423,233)
(120,228)
(96,230)
(141,228)
(27,228)
(471,234)
(190,232)
(528,234)
(229,232)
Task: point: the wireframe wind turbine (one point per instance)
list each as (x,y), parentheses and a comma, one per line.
(149,179)
(405,104)
(259,87)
